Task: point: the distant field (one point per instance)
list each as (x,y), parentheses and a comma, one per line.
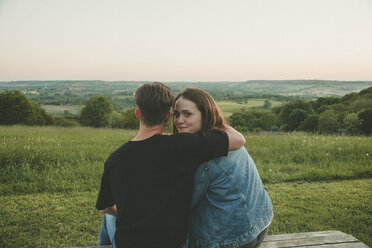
(227,107)
(58,110)
(122,97)
(230,107)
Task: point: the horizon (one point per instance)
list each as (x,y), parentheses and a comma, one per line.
(184,81)
(185,41)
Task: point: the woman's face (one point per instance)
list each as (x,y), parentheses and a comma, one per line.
(187,117)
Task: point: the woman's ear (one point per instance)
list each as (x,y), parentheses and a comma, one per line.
(137,113)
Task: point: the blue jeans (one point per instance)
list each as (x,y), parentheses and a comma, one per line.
(107,231)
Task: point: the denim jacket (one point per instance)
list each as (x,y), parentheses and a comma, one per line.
(230,206)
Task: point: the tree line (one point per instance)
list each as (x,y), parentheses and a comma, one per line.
(16,108)
(350,114)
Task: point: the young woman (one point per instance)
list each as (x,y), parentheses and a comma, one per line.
(230,207)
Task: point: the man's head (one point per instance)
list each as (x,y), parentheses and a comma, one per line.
(154,101)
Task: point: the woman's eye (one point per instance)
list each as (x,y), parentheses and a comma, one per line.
(176,115)
(187,114)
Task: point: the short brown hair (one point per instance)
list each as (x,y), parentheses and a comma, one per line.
(154,101)
(211,115)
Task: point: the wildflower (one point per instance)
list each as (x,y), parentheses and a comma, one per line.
(326,154)
(339,148)
(367,154)
(270,170)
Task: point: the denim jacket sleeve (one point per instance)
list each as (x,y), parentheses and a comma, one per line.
(201,183)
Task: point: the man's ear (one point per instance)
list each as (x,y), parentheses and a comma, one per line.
(137,113)
(168,116)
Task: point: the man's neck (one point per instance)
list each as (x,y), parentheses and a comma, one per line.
(145,132)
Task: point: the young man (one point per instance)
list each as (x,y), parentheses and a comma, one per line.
(147,182)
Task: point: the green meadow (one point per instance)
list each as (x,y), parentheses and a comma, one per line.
(50,177)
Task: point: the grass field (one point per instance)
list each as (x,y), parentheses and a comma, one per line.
(50,178)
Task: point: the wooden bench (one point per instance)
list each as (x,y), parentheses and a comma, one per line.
(326,239)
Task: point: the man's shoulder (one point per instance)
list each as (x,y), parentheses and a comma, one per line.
(121,149)
(117,155)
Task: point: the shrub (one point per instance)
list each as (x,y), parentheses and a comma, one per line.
(291,114)
(328,122)
(130,120)
(352,124)
(116,120)
(63,122)
(96,112)
(366,121)
(310,124)
(16,108)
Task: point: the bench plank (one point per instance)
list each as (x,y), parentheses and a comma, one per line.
(307,234)
(312,239)
(345,245)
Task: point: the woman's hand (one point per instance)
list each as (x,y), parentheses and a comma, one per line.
(236,139)
(110,210)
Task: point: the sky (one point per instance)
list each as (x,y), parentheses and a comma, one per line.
(185,40)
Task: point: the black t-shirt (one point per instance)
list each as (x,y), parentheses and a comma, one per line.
(151,183)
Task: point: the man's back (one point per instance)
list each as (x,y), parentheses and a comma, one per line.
(151,184)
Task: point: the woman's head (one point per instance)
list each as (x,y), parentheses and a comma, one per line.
(196,111)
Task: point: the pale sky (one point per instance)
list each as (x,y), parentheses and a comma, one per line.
(185,40)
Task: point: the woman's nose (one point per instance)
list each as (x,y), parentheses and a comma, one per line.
(179,119)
